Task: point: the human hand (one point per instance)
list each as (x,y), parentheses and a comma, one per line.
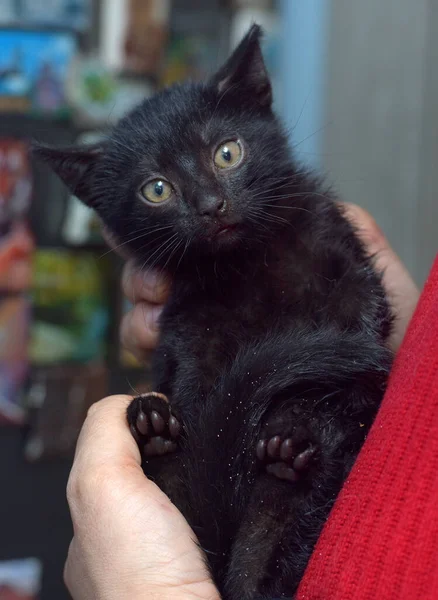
(400,288)
(148,291)
(129,541)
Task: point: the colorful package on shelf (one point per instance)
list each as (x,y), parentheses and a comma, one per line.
(14,330)
(80,224)
(72,14)
(146,35)
(57,401)
(265,15)
(95,92)
(188,57)
(14,333)
(13,378)
(69,14)
(20,579)
(16,242)
(70,307)
(8,12)
(101,98)
(34,71)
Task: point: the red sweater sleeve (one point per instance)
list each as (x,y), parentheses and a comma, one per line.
(381,539)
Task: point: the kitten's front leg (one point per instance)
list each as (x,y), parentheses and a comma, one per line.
(157,431)
(152,420)
(153,424)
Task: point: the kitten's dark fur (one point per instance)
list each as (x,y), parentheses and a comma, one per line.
(275,326)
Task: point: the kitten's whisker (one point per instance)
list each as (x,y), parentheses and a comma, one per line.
(312,134)
(129,151)
(287,179)
(271,217)
(183,253)
(304,194)
(136,392)
(290,182)
(152,266)
(147,260)
(208,551)
(257,221)
(149,244)
(144,233)
(300,208)
(157,251)
(165,246)
(275,189)
(271,201)
(227,90)
(265,178)
(297,208)
(156,239)
(173,249)
(301,112)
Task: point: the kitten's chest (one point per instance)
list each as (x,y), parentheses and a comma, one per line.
(217,322)
(208,325)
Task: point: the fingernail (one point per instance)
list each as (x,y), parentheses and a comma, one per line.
(157,282)
(155,313)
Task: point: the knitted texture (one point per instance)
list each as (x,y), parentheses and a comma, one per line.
(381,539)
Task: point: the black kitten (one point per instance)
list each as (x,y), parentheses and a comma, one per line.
(272,360)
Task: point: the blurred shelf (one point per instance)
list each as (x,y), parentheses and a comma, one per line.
(97,247)
(22,124)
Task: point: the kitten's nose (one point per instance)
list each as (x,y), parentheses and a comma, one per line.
(209,206)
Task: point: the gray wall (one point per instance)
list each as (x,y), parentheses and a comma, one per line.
(380,144)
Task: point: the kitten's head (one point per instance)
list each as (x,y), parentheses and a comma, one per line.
(191,169)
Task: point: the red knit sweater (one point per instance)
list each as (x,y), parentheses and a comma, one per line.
(381,540)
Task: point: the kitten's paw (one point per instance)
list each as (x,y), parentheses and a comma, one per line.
(154,427)
(286,458)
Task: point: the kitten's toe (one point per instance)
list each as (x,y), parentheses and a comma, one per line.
(284,458)
(153,425)
(304,459)
(282,471)
(157,446)
(273,447)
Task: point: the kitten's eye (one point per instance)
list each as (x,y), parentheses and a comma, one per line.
(157,191)
(228,155)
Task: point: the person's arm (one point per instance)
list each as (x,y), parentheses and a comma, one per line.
(381,538)
(401,290)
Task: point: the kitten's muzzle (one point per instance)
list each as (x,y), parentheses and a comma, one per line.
(221,232)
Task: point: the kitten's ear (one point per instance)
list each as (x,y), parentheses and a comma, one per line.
(245,70)
(74,165)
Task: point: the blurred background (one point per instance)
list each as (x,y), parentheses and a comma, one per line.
(357,86)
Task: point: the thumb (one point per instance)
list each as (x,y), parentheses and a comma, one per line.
(106,453)
(401,290)
(105,437)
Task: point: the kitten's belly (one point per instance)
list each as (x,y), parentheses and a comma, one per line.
(208,346)
(208,329)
